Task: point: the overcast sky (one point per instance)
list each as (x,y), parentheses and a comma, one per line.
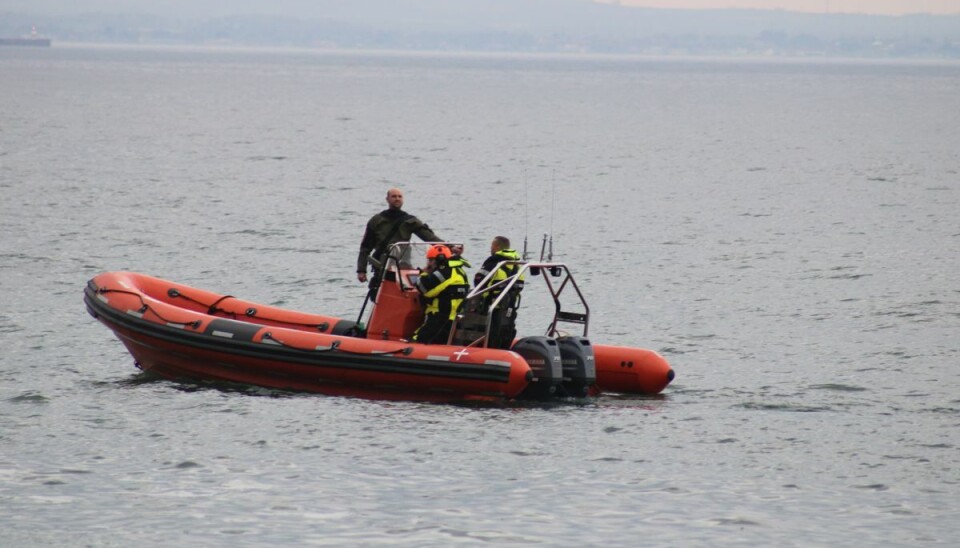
(307,8)
(887,7)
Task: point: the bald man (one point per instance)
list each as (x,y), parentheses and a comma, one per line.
(388,227)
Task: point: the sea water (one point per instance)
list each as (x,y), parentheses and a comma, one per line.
(785,233)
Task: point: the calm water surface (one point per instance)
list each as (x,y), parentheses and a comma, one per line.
(784,233)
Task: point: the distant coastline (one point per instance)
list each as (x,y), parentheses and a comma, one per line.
(520,26)
(520,56)
(34,40)
(26,42)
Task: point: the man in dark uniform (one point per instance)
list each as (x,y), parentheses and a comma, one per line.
(502,329)
(388,227)
(499,251)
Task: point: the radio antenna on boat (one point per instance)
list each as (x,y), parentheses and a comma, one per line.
(526,198)
(553,203)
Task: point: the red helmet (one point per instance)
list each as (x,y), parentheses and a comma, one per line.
(439,250)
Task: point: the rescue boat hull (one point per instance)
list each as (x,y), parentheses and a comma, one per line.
(184,333)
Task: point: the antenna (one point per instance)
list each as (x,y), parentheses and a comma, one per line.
(553,198)
(526,198)
(553,202)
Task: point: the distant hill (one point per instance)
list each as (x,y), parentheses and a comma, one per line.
(490,25)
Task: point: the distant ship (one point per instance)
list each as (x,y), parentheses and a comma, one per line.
(32,41)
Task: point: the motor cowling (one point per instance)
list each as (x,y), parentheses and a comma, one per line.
(578,365)
(542,354)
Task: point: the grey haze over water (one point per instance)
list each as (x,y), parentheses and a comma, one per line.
(577,26)
(786,234)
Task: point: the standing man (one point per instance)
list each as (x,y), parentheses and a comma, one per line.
(388,227)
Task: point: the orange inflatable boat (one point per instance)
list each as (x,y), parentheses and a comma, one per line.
(185,333)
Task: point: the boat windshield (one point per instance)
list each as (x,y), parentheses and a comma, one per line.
(410,255)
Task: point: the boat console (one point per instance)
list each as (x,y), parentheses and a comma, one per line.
(563,364)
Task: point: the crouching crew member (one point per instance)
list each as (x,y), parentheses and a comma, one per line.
(443,288)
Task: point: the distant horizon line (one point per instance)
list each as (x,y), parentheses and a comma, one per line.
(828,7)
(479,54)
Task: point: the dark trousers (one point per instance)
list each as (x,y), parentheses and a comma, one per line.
(435,330)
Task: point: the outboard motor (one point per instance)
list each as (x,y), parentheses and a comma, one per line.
(543,356)
(579,367)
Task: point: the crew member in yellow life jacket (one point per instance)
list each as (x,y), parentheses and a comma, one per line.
(457,262)
(443,288)
(499,251)
(502,327)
